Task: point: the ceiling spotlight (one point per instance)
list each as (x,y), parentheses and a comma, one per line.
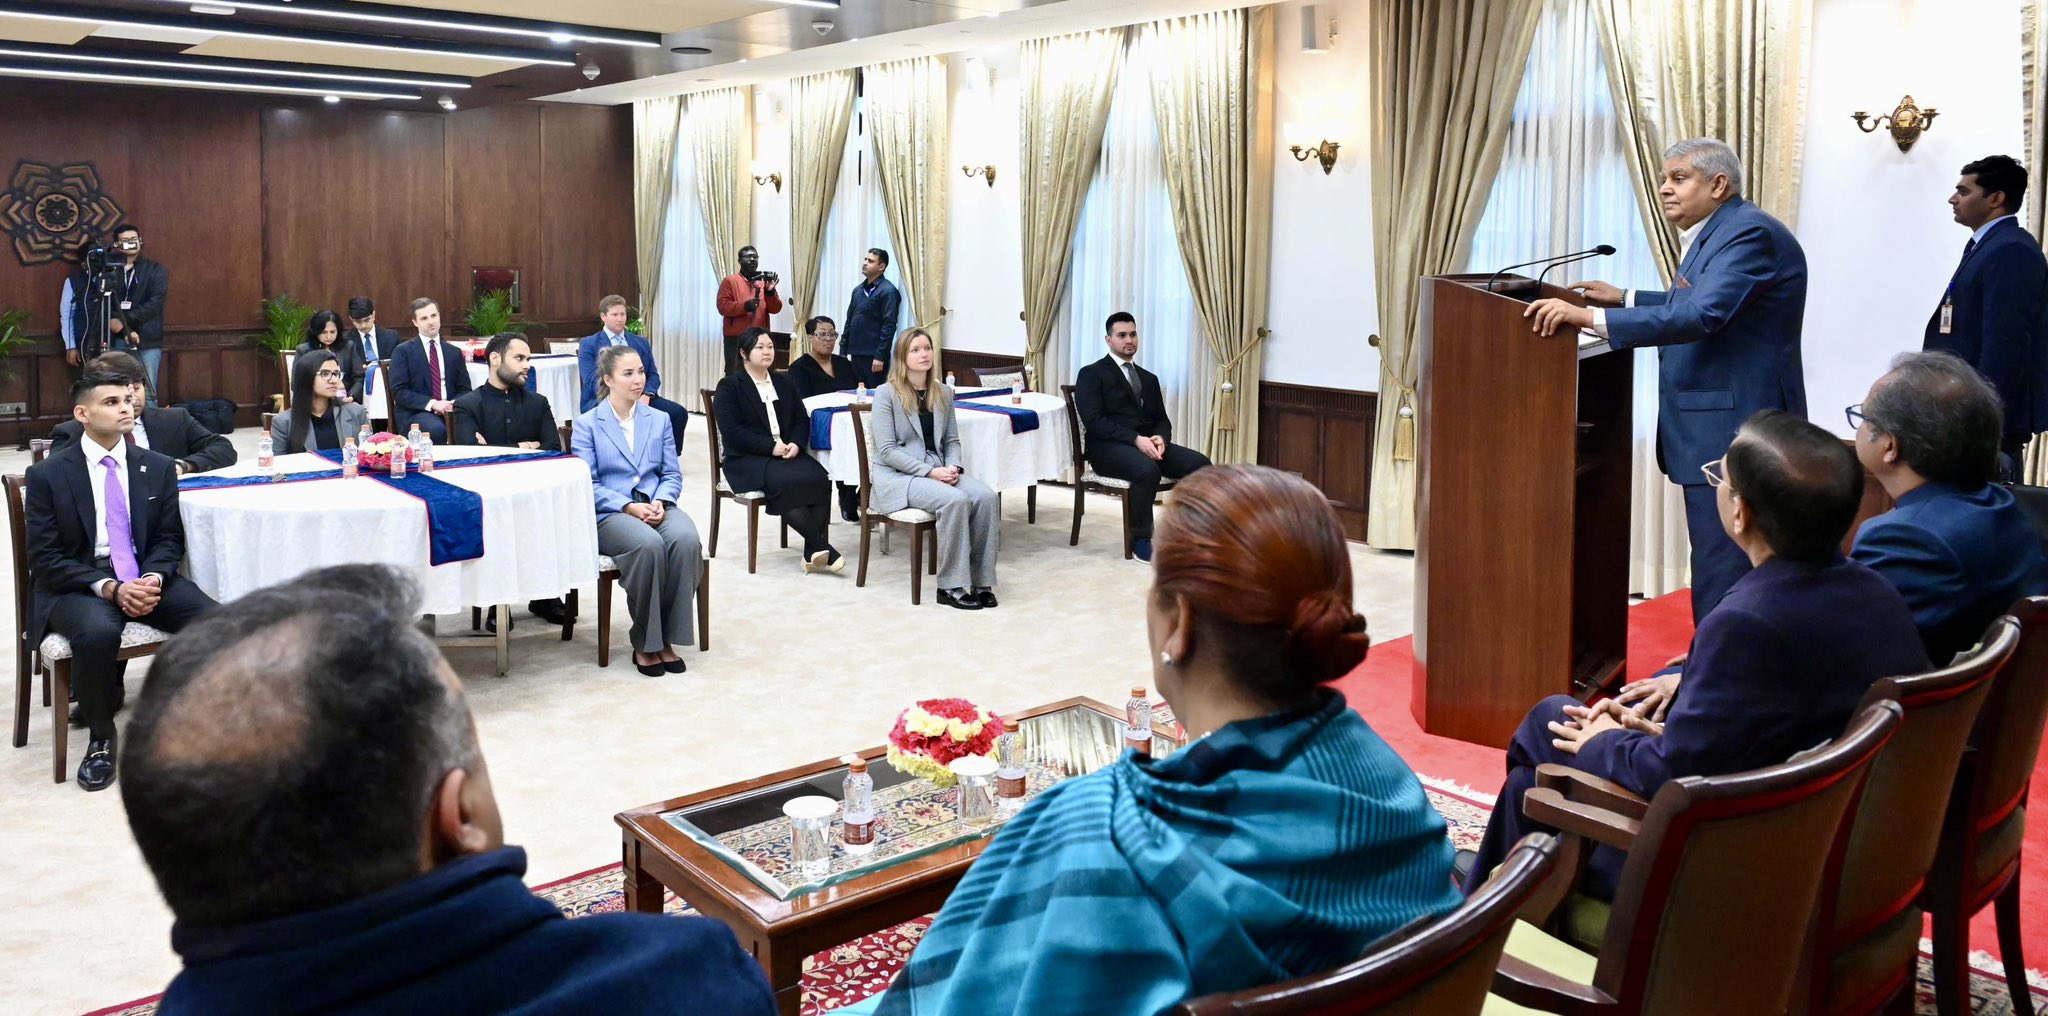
(559,39)
(333,99)
(448,104)
(823,26)
(215,9)
(590,69)
(691,50)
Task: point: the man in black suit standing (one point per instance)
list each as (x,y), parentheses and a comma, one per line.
(167,430)
(105,542)
(1129,436)
(426,376)
(1994,313)
(869,334)
(375,342)
(136,323)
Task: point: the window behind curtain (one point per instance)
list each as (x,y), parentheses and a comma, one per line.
(693,356)
(858,220)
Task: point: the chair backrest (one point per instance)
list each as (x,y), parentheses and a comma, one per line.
(2007,738)
(1077,436)
(38,449)
(711,436)
(378,402)
(965,377)
(1887,844)
(566,431)
(285,359)
(563,347)
(862,447)
(1436,966)
(17,531)
(1719,888)
(1001,379)
(267,419)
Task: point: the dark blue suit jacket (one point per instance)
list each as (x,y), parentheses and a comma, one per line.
(586,364)
(1959,558)
(1730,327)
(871,322)
(409,376)
(467,937)
(1775,669)
(2000,323)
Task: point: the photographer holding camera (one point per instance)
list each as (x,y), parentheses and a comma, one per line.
(118,304)
(746,299)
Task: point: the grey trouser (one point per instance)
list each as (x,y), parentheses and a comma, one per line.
(658,567)
(969,515)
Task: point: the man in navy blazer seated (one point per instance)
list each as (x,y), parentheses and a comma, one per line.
(105,542)
(1994,313)
(1956,546)
(308,875)
(1775,668)
(1129,435)
(427,376)
(1728,332)
(611,313)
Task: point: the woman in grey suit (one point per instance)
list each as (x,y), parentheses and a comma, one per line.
(318,417)
(917,465)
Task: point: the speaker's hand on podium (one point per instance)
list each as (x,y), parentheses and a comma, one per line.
(1548,314)
(1605,294)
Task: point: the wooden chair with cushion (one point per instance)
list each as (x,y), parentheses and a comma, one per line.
(1086,480)
(964,377)
(1866,943)
(923,526)
(1977,863)
(608,573)
(564,347)
(1436,966)
(1712,908)
(722,492)
(52,657)
(38,449)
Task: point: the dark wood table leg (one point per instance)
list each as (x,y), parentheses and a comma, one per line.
(644,892)
(785,973)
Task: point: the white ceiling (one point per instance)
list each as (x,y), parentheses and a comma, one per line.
(349,56)
(636,15)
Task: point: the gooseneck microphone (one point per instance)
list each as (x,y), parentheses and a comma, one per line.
(1549,263)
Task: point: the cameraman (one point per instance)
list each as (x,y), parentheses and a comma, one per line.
(134,309)
(746,299)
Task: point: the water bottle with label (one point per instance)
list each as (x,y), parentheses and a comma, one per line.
(949,380)
(351,459)
(397,462)
(1138,721)
(363,436)
(860,394)
(857,801)
(422,449)
(1009,768)
(264,451)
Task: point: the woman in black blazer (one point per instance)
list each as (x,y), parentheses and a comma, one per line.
(762,433)
(323,333)
(821,373)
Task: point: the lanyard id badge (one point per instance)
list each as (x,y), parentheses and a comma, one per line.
(1948,317)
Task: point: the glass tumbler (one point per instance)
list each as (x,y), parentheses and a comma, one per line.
(810,834)
(977,775)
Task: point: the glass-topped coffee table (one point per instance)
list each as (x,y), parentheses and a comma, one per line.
(726,851)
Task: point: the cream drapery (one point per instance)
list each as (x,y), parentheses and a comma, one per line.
(2034,117)
(1445,76)
(722,136)
(905,104)
(1064,109)
(820,110)
(1212,92)
(655,125)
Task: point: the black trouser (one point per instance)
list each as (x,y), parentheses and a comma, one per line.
(93,627)
(864,368)
(733,358)
(1125,462)
(678,417)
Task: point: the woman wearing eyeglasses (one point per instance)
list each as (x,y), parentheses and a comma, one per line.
(318,417)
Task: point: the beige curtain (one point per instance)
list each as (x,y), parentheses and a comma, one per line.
(1212,92)
(906,115)
(820,110)
(2034,112)
(1067,85)
(655,125)
(722,137)
(1444,81)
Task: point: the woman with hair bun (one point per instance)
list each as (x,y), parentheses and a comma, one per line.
(1280,842)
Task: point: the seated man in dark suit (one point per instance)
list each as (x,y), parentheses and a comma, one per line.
(503,411)
(1129,436)
(166,430)
(1957,546)
(1776,666)
(427,376)
(372,340)
(611,313)
(104,542)
(308,875)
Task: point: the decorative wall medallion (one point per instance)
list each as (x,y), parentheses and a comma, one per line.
(50,211)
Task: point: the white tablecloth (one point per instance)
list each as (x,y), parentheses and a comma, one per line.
(540,530)
(554,376)
(989,452)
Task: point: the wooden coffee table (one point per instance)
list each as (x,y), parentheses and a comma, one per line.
(725,851)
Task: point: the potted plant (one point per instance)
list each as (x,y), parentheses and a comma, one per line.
(493,315)
(284,327)
(11,339)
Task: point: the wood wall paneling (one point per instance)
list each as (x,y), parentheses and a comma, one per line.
(1325,434)
(495,199)
(586,222)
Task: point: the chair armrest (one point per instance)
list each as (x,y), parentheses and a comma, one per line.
(1548,807)
(1529,985)
(1589,789)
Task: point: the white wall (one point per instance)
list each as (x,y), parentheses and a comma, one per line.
(984,249)
(1321,299)
(771,207)
(1880,243)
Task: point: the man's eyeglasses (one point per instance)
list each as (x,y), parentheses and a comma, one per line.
(1855,416)
(327,375)
(1716,472)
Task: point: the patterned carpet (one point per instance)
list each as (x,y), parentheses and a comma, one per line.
(847,973)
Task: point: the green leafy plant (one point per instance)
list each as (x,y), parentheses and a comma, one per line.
(284,324)
(493,315)
(11,339)
(634,323)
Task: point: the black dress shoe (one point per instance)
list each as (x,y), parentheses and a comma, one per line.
(552,611)
(964,601)
(491,622)
(850,514)
(97,771)
(675,666)
(985,599)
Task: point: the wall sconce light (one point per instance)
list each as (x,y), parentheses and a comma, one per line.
(767,178)
(1325,153)
(985,172)
(1907,122)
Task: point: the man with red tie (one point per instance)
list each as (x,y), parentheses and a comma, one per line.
(426,376)
(105,542)
(746,299)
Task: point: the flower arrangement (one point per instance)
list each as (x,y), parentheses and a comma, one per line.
(376,454)
(930,734)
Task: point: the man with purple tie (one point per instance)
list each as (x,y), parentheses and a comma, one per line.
(104,543)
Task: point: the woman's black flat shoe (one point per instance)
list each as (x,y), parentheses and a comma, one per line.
(985,599)
(964,602)
(650,669)
(674,666)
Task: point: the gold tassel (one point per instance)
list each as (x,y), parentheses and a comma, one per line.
(1226,407)
(1404,432)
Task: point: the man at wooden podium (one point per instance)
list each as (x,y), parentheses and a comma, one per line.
(1729,331)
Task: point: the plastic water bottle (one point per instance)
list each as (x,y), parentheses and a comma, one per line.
(351,459)
(1016,393)
(397,458)
(422,449)
(1009,768)
(949,380)
(264,452)
(860,393)
(363,435)
(857,802)
(1138,721)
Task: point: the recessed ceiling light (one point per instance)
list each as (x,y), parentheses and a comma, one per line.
(691,50)
(175,82)
(448,104)
(334,98)
(554,33)
(829,5)
(287,35)
(560,38)
(215,9)
(251,69)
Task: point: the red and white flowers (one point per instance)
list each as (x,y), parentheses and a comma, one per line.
(929,735)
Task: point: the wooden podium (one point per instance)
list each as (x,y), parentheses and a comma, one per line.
(1521,559)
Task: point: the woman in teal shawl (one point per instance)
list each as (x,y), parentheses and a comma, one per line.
(1279,843)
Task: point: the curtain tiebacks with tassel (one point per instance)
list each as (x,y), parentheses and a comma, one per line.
(1226,390)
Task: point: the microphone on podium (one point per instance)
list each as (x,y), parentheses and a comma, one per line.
(1548,263)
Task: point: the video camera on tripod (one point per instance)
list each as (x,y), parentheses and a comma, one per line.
(102,265)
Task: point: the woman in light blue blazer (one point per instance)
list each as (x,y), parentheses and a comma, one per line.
(917,465)
(632,456)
